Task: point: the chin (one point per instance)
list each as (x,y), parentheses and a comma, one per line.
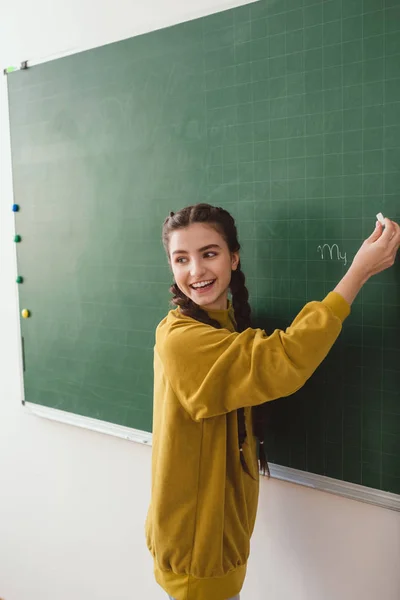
(206,302)
(199,302)
(203,301)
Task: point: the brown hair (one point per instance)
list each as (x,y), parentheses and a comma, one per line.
(224,223)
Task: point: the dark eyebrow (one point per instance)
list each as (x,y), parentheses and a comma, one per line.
(203,249)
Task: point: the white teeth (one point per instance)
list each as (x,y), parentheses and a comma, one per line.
(202,284)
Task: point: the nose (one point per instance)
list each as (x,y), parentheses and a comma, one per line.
(197,268)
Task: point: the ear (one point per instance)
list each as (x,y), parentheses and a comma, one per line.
(235,259)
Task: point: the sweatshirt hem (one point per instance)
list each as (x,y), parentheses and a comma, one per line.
(187,587)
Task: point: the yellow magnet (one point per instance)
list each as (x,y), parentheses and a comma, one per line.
(25,313)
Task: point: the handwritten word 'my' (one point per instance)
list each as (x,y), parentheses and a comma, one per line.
(332,250)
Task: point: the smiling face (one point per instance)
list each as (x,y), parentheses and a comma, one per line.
(202,265)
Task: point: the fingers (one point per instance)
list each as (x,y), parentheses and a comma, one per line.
(390,238)
(394,241)
(389,231)
(376,234)
(395,237)
(397,226)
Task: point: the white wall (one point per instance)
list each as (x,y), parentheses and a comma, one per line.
(73,502)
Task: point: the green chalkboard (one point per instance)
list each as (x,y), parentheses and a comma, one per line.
(286,113)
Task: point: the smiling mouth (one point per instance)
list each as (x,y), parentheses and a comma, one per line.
(205,285)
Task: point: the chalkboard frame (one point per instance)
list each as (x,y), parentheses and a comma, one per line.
(385,499)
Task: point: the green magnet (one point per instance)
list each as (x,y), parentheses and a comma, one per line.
(19,279)
(17,238)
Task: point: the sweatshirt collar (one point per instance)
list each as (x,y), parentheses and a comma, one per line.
(225,317)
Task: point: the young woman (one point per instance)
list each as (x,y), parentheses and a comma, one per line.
(210,368)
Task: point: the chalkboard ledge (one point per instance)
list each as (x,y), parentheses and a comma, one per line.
(311,480)
(337,486)
(127,433)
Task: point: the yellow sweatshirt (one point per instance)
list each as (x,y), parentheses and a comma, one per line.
(203,504)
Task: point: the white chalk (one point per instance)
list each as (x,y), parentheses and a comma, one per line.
(381,218)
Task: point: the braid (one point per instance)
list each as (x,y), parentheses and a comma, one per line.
(240,299)
(241,307)
(225,224)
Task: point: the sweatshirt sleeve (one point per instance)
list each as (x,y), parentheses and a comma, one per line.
(213,371)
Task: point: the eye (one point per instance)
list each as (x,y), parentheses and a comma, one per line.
(181,259)
(210,254)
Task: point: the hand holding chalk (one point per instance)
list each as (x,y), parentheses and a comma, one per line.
(378,252)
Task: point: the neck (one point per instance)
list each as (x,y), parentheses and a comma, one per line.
(220,303)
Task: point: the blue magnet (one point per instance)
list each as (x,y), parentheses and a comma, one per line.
(15,207)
